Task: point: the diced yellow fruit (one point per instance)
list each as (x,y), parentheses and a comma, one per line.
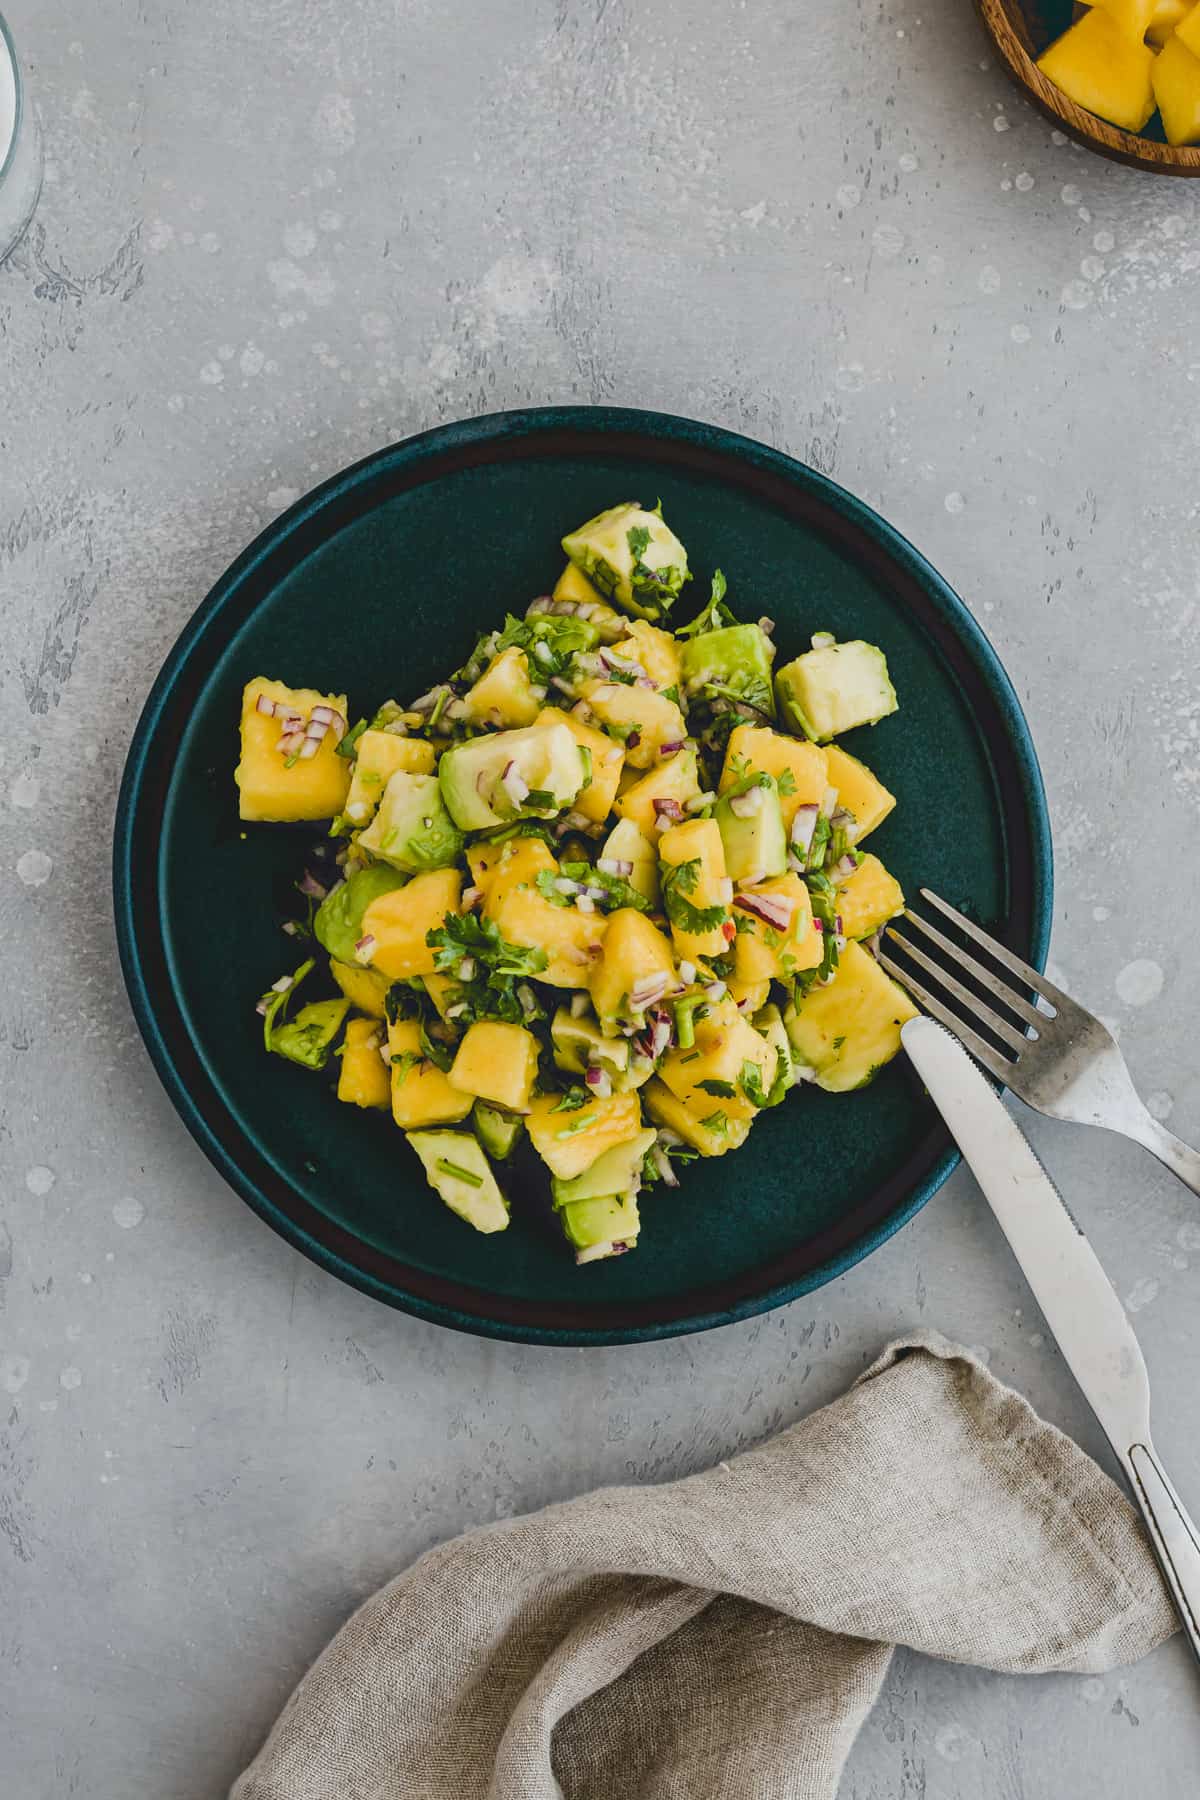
(769,752)
(573,584)
(364,988)
(569,1142)
(858,791)
(497,1062)
(749,996)
(869,898)
(595,801)
(421,1093)
(1188,30)
(443,990)
(725,1043)
(696,840)
(674,779)
(1133,17)
(646,714)
(1166,16)
(634,951)
(364,1079)
(314,787)
(657,652)
(482,859)
(848,1030)
(523,916)
(1102,68)
(1177,90)
(765,954)
(665,1108)
(380,755)
(504,694)
(400,920)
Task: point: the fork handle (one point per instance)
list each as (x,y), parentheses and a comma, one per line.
(1173,1535)
(1171,1151)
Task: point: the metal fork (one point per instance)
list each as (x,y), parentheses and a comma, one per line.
(1062,1061)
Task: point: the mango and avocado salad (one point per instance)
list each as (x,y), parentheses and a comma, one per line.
(596,900)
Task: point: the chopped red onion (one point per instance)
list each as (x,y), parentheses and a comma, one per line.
(457,1012)
(265,705)
(804,824)
(282,985)
(564,687)
(823,640)
(794,863)
(542,604)
(648,990)
(339,727)
(364,948)
(633,740)
(844,867)
(261,1009)
(291,928)
(725,892)
(766,626)
(687,973)
(308,748)
(599,1081)
(662,1163)
(385,1055)
(773,909)
(745,806)
(527,997)
(309,885)
(471,898)
(660,1036)
(315,729)
(581,710)
(466,968)
(544,653)
(584,903)
(323,715)
(818,924)
(698,802)
(290,742)
(564,885)
(579,1005)
(514,784)
(671,748)
(829,802)
(615,865)
(668,809)
(716,990)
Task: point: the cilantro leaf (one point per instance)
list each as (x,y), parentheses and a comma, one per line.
(274,1003)
(678,880)
(715,614)
(720,1090)
(490,974)
(786,783)
(638,539)
(606,891)
(349,744)
(717,1123)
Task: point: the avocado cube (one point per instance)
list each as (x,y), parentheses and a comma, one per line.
(338,921)
(543,759)
(601,1228)
(849,1029)
(834,689)
(459,1172)
(632,557)
(618,1171)
(750,820)
(497,1131)
(412,829)
(307,1038)
(734,663)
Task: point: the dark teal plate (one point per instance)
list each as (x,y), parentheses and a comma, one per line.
(377,583)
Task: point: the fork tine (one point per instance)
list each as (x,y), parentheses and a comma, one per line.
(1025,970)
(975,1007)
(993,983)
(997,1065)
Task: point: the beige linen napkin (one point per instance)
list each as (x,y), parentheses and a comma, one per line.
(726,1635)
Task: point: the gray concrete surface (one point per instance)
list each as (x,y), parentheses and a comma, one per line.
(276,236)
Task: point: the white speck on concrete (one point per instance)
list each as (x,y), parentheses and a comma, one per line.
(128,1212)
(1020,334)
(849,195)
(1059,138)
(1076,295)
(952,1743)
(34,868)
(989,279)
(329,220)
(754,215)
(289,279)
(1091,1690)
(1142,1293)
(252,359)
(1139,982)
(908,163)
(887,240)
(282,497)
(1104,241)
(954,502)
(1159,1105)
(212,374)
(1070,195)
(39,1180)
(1024,182)
(1036,1340)
(14,1372)
(71,1377)
(850,378)
(1000,122)
(26,791)
(1101,913)
(1188,1236)
(1091,268)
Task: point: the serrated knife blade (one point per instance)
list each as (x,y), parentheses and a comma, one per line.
(1070,1286)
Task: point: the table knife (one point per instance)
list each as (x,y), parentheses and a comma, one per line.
(1075,1295)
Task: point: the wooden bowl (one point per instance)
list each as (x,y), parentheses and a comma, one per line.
(1021,30)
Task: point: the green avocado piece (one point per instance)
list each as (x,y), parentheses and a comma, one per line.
(633,557)
(596,1227)
(732,663)
(307,1038)
(546,757)
(750,821)
(338,920)
(412,829)
(618,1172)
(497,1131)
(459,1172)
(625,843)
(832,689)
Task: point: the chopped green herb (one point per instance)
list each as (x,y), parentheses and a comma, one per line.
(491,992)
(720,1090)
(572,1100)
(678,881)
(349,744)
(715,614)
(786,783)
(458,1172)
(717,1123)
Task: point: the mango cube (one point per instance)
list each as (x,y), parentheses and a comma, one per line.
(1165,17)
(497,1061)
(380,755)
(421,1093)
(364,1079)
(1102,68)
(570,1140)
(594,801)
(1177,90)
(400,921)
(281,787)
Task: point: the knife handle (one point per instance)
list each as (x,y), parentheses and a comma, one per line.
(1175,1539)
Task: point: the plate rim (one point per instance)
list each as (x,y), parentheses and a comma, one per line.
(522,427)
